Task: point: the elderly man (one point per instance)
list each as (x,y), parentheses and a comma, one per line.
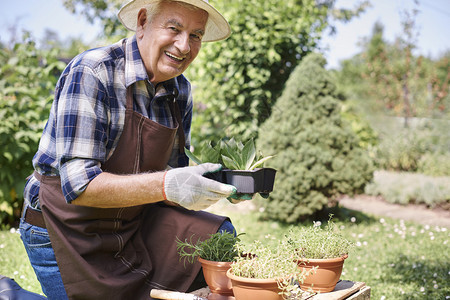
(111,189)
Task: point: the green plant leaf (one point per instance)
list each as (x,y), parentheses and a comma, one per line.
(218,247)
(248,154)
(232,154)
(210,154)
(260,162)
(192,156)
(229,163)
(239,146)
(230,150)
(231,144)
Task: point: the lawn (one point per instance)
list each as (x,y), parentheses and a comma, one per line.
(397,259)
(14,261)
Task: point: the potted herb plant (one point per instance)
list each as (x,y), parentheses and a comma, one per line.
(265,274)
(215,255)
(322,252)
(243,166)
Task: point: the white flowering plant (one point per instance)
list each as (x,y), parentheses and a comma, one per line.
(258,261)
(317,242)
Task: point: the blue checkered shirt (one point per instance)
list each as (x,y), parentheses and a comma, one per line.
(88,114)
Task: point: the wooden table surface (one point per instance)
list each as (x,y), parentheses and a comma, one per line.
(345,289)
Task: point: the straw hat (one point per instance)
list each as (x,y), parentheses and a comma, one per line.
(217,27)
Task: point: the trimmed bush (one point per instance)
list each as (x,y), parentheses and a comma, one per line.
(316,154)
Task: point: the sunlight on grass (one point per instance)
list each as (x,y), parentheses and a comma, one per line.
(397,259)
(14,261)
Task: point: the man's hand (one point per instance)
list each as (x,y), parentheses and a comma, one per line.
(187,186)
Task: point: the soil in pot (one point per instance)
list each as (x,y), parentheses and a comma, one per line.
(326,276)
(254,289)
(215,273)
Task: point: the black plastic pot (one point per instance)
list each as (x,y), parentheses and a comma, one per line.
(247,182)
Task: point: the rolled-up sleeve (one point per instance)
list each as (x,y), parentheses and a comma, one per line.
(81,130)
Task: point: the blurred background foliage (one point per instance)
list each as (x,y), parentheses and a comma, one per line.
(395,103)
(27,77)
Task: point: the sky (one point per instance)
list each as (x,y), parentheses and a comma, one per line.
(433,24)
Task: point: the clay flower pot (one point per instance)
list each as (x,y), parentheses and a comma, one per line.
(326,276)
(215,273)
(254,289)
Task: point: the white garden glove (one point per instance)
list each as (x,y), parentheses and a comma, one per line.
(187,187)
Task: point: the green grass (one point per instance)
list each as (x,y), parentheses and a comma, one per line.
(398,260)
(14,261)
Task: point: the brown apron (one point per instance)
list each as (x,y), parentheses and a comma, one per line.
(122,253)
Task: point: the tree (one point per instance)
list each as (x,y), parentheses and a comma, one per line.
(317,155)
(393,79)
(64,49)
(238,80)
(102,10)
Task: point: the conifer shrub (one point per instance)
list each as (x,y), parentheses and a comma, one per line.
(317,155)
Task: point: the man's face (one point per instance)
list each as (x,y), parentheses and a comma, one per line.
(170,41)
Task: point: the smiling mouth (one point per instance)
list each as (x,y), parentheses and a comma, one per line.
(177,58)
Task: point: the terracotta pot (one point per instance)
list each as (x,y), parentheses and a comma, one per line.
(215,273)
(326,276)
(254,289)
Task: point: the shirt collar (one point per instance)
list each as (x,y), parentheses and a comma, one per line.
(134,66)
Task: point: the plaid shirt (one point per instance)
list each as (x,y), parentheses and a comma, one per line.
(88,114)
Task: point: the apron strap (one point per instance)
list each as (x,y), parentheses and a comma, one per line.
(129,98)
(175,109)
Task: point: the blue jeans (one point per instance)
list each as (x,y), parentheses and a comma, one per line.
(226,226)
(42,259)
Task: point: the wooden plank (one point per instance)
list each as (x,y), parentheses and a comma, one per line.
(343,290)
(363,294)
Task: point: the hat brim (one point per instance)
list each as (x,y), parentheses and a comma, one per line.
(217,27)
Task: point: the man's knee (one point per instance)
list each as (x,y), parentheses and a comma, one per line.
(227,226)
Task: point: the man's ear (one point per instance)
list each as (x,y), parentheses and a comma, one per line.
(141,22)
